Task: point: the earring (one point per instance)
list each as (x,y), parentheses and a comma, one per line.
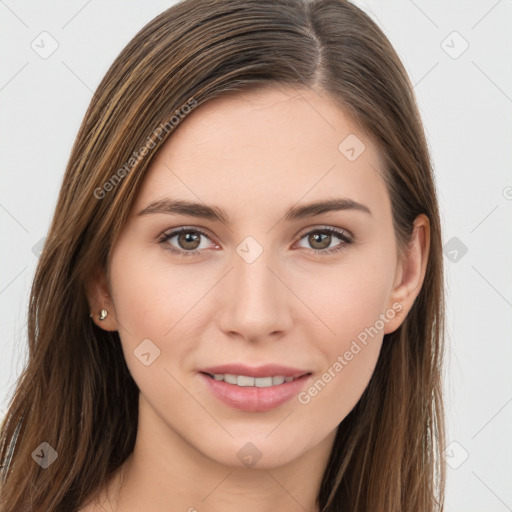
(103,314)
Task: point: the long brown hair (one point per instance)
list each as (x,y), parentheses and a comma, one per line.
(76,392)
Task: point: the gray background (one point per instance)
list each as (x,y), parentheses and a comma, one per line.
(465,99)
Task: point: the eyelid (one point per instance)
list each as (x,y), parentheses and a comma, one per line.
(345,236)
(300,234)
(172,232)
(325,227)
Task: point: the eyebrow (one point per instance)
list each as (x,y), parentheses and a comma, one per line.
(180,207)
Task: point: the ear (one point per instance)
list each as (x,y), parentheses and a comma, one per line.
(99,297)
(410,273)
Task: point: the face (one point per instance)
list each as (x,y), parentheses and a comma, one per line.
(252,286)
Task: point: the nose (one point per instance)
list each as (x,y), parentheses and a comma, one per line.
(256,301)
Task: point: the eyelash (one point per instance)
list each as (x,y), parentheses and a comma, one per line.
(342,235)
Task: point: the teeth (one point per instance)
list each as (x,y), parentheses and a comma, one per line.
(245,381)
(230,379)
(263,382)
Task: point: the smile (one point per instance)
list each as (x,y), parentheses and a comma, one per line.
(246,381)
(254,394)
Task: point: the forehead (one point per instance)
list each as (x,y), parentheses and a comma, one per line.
(267,147)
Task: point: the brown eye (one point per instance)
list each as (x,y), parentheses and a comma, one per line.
(185,241)
(320,240)
(189,240)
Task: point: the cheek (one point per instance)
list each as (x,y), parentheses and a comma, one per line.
(354,309)
(151,305)
(151,295)
(349,355)
(160,302)
(350,299)
(335,391)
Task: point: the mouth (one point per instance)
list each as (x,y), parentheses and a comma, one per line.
(264,389)
(248,381)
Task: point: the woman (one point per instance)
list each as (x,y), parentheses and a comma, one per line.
(240,300)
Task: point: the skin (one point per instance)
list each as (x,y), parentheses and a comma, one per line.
(254,155)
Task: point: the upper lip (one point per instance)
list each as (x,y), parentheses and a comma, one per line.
(267,370)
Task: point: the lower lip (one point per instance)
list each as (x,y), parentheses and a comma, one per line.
(254,399)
